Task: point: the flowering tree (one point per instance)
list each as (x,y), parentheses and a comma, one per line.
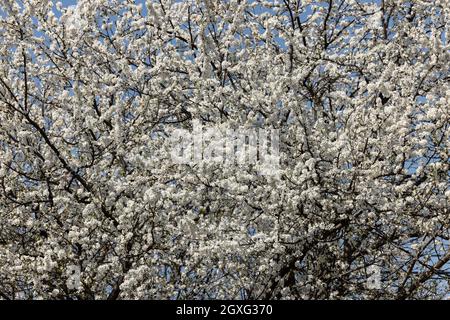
(93,207)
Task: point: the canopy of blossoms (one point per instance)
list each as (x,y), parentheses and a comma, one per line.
(92,205)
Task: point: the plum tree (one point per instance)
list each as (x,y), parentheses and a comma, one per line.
(90,95)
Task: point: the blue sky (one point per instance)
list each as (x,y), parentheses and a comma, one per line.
(68,2)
